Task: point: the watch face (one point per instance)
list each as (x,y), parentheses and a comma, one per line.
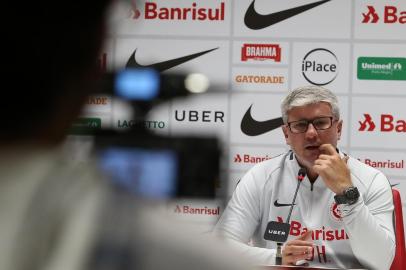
(351,193)
(350,196)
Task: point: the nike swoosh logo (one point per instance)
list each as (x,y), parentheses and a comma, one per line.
(165,65)
(281,204)
(252,127)
(256,21)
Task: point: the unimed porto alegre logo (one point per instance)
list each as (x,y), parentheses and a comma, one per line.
(381,68)
(191,12)
(387,15)
(386,123)
(261,52)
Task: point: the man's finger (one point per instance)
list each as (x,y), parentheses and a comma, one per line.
(305,236)
(345,159)
(324,157)
(328,149)
(297,242)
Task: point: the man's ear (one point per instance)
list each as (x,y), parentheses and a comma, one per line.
(285,133)
(339,128)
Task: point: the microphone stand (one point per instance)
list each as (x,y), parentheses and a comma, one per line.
(278,256)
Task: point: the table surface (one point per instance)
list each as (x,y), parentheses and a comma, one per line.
(286,267)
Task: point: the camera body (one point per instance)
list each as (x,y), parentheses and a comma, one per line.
(150,165)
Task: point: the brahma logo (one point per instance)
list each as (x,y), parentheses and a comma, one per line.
(251,159)
(390,15)
(261,52)
(152,11)
(387,124)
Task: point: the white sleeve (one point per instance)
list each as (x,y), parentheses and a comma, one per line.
(369,224)
(240,220)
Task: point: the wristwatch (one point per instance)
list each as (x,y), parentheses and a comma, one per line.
(349,196)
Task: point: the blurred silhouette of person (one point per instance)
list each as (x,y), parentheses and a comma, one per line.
(56,214)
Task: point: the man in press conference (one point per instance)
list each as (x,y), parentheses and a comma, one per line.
(342,209)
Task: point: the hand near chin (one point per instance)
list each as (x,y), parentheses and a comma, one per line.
(333,169)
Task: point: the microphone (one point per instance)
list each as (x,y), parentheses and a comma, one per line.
(279,231)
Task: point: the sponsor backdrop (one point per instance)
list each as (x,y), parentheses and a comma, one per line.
(254,51)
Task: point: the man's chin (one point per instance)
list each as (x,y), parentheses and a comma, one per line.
(307,161)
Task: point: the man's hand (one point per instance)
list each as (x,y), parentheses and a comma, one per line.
(297,249)
(333,169)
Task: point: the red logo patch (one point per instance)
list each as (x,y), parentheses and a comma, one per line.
(335,212)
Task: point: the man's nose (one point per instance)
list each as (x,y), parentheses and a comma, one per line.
(311,132)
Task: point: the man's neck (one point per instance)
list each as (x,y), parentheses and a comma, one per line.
(312,175)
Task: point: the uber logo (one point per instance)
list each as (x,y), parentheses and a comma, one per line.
(196,116)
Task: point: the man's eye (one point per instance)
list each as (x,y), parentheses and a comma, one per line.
(301,125)
(321,122)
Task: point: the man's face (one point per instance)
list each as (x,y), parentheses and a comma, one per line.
(306,145)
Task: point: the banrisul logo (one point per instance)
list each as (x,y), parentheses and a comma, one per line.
(172,11)
(387,123)
(381,68)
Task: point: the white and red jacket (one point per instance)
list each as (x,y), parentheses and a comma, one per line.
(347,236)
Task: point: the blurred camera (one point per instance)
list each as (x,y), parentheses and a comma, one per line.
(149,165)
(148,85)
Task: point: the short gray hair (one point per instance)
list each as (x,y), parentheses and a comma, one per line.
(307,95)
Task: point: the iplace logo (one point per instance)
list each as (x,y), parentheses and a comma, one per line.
(320,66)
(387,123)
(389,15)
